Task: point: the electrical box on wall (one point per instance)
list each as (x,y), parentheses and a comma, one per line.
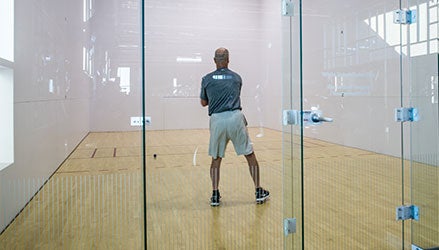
(138,121)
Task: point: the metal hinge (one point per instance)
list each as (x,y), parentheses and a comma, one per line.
(290,117)
(406,114)
(287,8)
(289,226)
(407,212)
(404,16)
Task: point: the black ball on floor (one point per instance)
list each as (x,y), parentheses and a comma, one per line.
(155,156)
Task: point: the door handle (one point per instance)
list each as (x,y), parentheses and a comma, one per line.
(318,118)
(310,117)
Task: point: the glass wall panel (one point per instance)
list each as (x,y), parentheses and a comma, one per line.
(76,179)
(181,38)
(423,79)
(352,145)
(72,150)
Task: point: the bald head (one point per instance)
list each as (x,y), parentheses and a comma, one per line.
(221,58)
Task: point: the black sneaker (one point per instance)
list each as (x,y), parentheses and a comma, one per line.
(215,199)
(261,195)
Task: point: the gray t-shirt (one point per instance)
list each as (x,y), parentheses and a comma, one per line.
(222,89)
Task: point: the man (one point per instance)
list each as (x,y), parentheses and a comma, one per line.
(221,90)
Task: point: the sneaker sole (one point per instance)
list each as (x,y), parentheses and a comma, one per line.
(214,204)
(262,200)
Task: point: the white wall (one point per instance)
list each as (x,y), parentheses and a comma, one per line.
(51,97)
(115,44)
(180,40)
(271,66)
(193,30)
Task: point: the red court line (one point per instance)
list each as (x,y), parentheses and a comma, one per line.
(94,152)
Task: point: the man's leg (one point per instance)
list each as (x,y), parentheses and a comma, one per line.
(253,167)
(215,177)
(215,172)
(261,194)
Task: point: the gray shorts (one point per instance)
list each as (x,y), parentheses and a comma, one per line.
(226,126)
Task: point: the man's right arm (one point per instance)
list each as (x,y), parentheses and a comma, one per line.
(203,95)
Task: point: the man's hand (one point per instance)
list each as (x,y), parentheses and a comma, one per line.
(204,103)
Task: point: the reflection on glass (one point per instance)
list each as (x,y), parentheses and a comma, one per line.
(196,59)
(88,10)
(422,33)
(434,89)
(124,75)
(87,60)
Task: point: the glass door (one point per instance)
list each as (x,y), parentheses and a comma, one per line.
(422,58)
(347,159)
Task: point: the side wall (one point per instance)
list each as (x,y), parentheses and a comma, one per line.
(51,97)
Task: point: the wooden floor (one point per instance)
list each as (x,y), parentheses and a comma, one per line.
(95,199)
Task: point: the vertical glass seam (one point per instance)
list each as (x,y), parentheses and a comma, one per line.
(301,124)
(401,124)
(142,34)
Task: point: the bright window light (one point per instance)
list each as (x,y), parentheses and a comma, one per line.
(7,118)
(6,83)
(7,30)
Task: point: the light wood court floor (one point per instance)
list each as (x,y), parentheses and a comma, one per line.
(94,200)
(180,216)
